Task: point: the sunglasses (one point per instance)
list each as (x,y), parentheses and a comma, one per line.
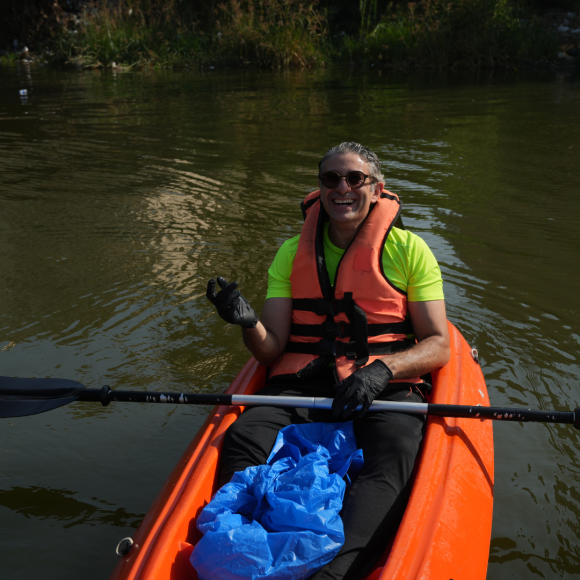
(354,179)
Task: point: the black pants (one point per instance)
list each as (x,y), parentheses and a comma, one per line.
(374,505)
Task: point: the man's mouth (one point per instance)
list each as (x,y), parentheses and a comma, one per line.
(343,201)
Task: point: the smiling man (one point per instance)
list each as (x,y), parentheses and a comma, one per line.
(354,310)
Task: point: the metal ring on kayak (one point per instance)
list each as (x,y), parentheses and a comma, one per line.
(124,547)
(474,355)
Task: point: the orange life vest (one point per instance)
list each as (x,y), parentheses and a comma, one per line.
(362,316)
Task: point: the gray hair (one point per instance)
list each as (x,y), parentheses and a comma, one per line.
(363,152)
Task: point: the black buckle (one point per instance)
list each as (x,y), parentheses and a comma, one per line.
(351,350)
(327,348)
(334,329)
(336,348)
(332,307)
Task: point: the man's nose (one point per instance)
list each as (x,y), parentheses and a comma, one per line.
(343,186)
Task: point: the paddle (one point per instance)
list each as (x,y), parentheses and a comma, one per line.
(20,397)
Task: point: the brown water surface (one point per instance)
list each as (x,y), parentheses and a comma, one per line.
(121,194)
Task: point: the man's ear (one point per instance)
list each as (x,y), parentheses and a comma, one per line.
(378,190)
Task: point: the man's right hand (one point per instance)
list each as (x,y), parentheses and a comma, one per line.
(230,304)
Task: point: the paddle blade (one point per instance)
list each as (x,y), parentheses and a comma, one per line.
(20,397)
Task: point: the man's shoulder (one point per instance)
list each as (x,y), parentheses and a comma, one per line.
(290,246)
(405,247)
(287,252)
(405,238)
(281,269)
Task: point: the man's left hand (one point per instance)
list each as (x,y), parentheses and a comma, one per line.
(362,386)
(230,304)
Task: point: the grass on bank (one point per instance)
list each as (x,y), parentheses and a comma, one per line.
(270,33)
(129,34)
(437,34)
(277,33)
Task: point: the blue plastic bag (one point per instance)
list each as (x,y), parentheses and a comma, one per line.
(280,521)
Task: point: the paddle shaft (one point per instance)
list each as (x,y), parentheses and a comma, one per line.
(20,397)
(106,395)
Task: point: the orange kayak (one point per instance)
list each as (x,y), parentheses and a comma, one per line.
(446,529)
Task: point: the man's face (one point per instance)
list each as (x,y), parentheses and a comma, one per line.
(342,203)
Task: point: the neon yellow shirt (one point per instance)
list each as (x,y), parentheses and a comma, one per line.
(407,260)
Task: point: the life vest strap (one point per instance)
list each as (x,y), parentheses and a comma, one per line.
(361,332)
(321,306)
(357,328)
(336,349)
(343,329)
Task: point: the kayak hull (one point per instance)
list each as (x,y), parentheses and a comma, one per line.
(446,529)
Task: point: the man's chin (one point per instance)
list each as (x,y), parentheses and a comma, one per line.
(343,216)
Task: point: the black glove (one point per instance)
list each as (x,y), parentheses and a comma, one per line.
(230,304)
(361,387)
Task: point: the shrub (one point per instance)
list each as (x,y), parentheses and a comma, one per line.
(137,32)
(275,33)
(456,33)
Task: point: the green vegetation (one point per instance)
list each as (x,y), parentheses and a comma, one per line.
(277,33)
(445,34)
(8,59)
(271,33)
(436,34)
(131,34)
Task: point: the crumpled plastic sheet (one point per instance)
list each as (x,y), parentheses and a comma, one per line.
(280,521)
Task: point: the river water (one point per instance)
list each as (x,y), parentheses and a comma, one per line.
(121,194)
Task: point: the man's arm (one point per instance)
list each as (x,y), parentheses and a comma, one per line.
(267,341)
(432,348)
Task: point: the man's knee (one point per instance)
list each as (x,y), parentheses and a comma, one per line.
(390,432)
(242,448)
(250,430)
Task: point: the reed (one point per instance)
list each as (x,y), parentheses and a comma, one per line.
(273,33)
(162,33)
(156,33)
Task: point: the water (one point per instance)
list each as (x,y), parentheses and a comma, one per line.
(121,194)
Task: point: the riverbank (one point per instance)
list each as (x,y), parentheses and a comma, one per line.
(432,34)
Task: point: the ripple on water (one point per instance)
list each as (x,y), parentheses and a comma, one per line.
(121,195)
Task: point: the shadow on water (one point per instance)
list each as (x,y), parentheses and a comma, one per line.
(60,505)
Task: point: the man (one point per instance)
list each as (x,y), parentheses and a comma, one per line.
(355,307)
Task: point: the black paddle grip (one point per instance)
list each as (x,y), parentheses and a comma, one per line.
(506,414)
(106,395)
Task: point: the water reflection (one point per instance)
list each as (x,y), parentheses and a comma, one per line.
(120,195)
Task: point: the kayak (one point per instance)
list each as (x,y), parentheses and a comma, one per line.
(446,529)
